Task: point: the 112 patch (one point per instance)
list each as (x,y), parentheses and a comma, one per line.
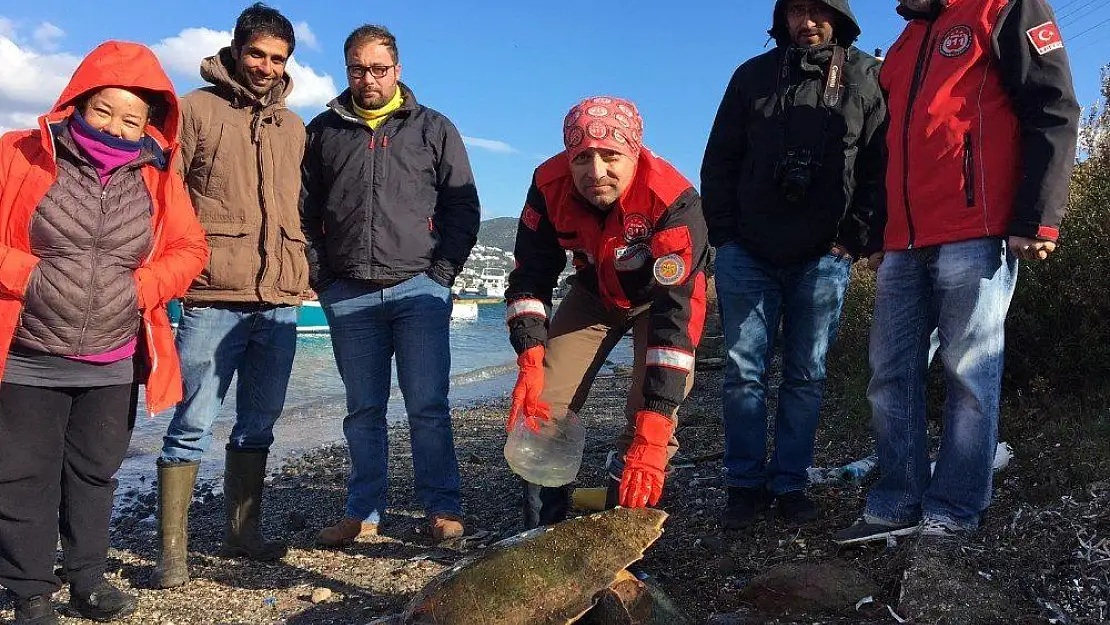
(1045,38)
(670,270)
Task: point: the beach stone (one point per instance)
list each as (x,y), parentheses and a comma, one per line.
(320,595)
(818,588)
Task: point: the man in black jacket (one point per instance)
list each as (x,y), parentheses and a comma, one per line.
(791,182)
(390,211)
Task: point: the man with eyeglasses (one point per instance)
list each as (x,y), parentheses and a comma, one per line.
(390,211)
(792,184)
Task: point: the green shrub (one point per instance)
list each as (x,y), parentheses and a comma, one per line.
(1058,331)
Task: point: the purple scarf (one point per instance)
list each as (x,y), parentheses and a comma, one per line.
(104,152)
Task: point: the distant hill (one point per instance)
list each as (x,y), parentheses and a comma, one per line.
(494,250)
(499,232)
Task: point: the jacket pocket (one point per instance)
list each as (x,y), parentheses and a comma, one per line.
(293,272)
(214,168)
(233,261)
(969,170)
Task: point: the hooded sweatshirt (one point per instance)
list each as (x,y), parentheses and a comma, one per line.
(241,160)
(774,106)
(29,170)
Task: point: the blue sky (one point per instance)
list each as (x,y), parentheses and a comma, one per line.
(504,72)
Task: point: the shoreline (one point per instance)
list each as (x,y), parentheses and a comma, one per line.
(301,429)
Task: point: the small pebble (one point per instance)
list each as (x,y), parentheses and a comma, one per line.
(320,595)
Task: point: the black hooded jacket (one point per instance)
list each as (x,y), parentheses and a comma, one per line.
(774,105)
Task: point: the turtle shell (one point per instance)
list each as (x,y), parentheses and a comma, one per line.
(547,576)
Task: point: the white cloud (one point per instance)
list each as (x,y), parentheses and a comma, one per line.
(32,77)
(305,35)
(46,36)
(30,82)
(309,88)
(492,145)
(20,120)
(182,53)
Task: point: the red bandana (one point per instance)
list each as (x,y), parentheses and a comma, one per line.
(604,122)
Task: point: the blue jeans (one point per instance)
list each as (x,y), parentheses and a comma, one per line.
(215,342)
(754,297)
(963,291)
(368,326)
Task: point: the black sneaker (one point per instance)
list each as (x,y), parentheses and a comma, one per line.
(868,529)
(745,507)
(36,610)
(105,603)
(796,508)
(940,536)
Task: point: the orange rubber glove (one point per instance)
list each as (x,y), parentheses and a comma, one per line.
(646,460)
(526,393)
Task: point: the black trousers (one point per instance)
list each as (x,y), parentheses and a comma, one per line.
(59,451)
(548,505)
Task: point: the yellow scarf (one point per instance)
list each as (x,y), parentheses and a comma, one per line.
(374,118)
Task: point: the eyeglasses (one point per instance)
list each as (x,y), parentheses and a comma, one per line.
(377,71)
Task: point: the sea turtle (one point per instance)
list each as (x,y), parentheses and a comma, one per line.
(572,572)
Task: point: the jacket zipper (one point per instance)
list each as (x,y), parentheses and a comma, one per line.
(374,167)
(257,124)
(95,258)
(969,170)
(919,72)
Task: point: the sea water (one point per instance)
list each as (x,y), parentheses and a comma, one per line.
(482,366)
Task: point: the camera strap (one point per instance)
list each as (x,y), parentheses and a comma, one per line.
(834,80)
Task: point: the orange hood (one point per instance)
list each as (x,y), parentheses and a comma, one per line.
(130,66)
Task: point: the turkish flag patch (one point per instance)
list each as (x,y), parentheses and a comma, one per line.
(1045,38)
(530,217)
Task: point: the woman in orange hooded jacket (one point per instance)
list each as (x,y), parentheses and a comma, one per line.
(97,233)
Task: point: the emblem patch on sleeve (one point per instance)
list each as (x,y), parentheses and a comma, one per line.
(530,217)
(1045,38)
(670,270)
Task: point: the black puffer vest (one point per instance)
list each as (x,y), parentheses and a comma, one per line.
(81,299)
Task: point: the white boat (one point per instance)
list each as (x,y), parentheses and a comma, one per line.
(493,281)
(462,310)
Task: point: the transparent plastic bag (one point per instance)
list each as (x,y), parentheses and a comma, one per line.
(550,457)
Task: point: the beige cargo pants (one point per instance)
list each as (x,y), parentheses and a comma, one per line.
(580,336)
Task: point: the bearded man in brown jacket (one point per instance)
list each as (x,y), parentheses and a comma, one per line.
(241,154)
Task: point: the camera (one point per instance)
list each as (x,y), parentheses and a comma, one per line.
(795,174)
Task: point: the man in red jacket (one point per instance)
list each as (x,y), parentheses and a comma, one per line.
(638,238)
(983,127)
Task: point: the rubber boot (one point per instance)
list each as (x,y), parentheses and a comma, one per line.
(244,476)
(545,505)
(612,492)
(175,493)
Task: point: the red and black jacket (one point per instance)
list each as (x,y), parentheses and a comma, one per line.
(656,229)
(983,124)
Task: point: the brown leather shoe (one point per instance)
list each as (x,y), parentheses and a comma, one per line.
(444,527)
(345,532)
